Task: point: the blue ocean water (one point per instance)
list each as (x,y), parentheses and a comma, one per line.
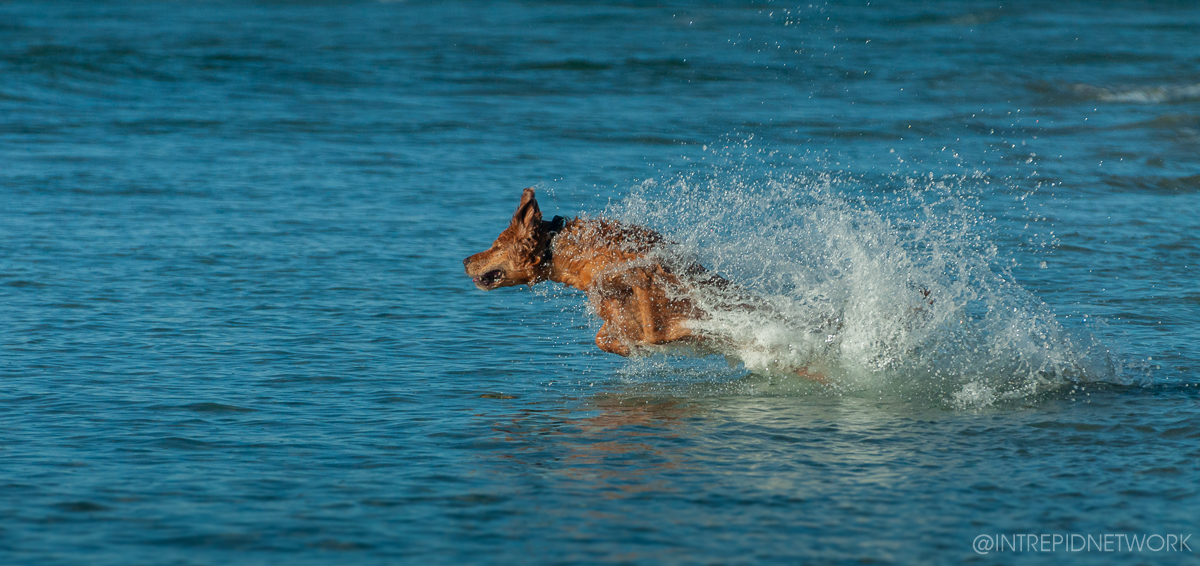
(236,327)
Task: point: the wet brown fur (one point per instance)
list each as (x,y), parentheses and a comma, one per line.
(642,301)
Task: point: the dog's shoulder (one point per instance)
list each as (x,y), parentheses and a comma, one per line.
(611,234)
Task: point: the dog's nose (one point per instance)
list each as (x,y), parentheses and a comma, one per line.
(466,262)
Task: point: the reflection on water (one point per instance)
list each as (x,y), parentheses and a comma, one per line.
(821,472)
(617,444)
(623,441)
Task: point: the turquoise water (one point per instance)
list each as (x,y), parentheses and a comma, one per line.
(236,327)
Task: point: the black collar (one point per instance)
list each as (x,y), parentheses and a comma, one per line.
(552,229)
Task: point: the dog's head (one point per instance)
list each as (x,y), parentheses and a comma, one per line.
(517,255)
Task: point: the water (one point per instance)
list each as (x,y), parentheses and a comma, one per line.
(236,327)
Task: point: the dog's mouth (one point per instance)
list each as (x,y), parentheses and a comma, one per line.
(489,279)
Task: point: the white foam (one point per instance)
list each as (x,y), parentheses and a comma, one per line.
(838,267)
(1140,94)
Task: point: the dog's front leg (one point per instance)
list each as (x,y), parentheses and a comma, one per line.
(808,374)
(648,316)
(610,338)
(611,344)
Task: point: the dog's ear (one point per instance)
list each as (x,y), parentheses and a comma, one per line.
(528,217)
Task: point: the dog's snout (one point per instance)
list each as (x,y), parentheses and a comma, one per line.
(466,262)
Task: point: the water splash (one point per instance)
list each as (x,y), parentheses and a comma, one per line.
(886,285)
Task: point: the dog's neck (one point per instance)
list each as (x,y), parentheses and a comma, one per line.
(551,229)
(578,251)
(555,268)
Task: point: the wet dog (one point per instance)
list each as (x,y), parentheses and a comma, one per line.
(642,300)
(642,292)
(645,293)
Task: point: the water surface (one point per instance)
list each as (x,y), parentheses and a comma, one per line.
(236,327)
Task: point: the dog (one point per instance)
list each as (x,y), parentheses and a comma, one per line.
(643,293)
(641,300)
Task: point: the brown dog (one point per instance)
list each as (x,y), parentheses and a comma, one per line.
(642,297)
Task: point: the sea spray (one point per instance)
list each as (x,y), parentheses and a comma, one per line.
(888,284)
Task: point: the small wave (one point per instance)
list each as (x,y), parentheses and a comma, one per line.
(932,19)
(19,283)
(587,65)
(214,408)
(181,443)
(1167,122)
(566,65)
(1155,185)
(104,66)
(81,507)
(668,63)
(1138,94)
(884,289)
